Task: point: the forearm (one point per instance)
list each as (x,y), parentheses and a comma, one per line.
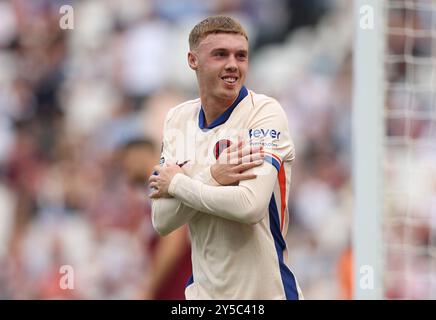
(169,214)
(244,203)
(205,176)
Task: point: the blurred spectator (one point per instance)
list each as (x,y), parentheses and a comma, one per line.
(345,274)
(170,265)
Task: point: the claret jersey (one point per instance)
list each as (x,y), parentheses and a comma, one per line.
(237,232)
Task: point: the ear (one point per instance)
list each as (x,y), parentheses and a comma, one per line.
(192,60)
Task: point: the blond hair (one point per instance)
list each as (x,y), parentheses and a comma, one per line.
(214,24)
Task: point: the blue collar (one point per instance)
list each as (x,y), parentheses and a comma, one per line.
(225,115)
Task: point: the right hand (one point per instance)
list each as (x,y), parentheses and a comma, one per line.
(233,163)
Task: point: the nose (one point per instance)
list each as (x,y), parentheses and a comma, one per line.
(231,65)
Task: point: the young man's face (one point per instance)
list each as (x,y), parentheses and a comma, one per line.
(221,62)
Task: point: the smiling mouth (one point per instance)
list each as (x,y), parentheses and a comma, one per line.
(229,79)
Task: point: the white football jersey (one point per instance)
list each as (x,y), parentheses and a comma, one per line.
(237,232)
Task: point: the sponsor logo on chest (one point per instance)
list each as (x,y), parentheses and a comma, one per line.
(264,133)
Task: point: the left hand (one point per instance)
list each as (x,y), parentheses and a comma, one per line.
(161,182)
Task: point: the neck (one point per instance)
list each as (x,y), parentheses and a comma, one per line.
(214,107)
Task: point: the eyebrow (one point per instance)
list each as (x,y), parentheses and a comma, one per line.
(226,49)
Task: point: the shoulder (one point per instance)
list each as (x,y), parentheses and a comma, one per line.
(183,111)
(265,106)
(269,123)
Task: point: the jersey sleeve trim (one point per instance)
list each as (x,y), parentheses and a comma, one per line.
(274,160)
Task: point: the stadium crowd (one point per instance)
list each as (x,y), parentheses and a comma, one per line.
(81,115)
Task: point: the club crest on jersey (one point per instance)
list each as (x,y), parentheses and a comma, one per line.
(220,146)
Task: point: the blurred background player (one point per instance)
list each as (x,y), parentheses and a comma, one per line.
(170,257)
